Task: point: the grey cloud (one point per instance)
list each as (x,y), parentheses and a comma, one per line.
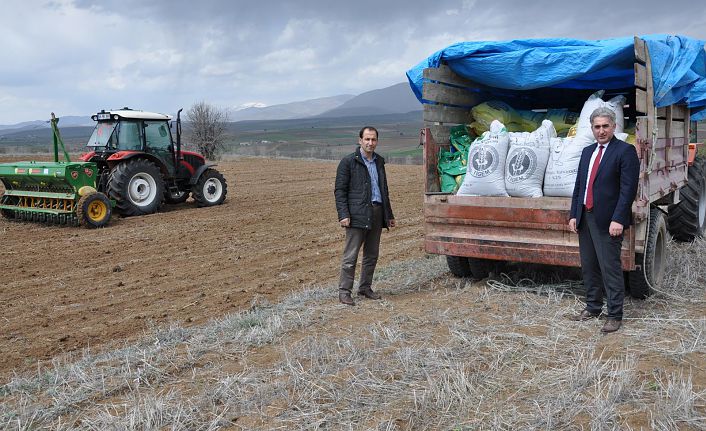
(160,55)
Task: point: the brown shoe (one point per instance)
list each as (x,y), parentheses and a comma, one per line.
(611,326)
(369,294)
(584,315)
(345,298)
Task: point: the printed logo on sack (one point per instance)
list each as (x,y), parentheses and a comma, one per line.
(484,160)
(522,164)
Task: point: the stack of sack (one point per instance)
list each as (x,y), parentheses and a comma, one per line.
(519,120)
(528,164)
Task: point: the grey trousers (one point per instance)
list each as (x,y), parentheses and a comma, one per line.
(601,268)
(369,239)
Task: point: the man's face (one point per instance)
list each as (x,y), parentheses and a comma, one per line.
(603,130)
(368,142)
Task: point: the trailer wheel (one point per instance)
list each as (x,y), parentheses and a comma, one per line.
(655,258)
(480,268)
(94,210)
(136,186)
(687,219)
(458,265)
(210,189)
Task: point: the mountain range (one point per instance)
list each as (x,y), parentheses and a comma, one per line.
(396,99)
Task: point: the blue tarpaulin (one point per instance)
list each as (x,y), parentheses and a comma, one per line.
(678,66)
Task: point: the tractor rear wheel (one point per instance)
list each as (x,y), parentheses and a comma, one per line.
(94,210)
(210,189)
(687,219)
(655,258)
(137,187)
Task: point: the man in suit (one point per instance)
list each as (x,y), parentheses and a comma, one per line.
(601,210)
(363,206)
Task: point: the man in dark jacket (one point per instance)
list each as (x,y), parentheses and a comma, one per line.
(601,210)
(363,206)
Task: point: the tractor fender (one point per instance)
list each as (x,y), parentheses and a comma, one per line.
(195,178)
(121,156)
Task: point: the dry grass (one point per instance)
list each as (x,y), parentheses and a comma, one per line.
(436,353)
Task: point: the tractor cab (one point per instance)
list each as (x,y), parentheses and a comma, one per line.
(128,130)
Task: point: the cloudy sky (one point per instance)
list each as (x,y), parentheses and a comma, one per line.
(75,57)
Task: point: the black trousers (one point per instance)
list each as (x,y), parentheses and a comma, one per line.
(601,267)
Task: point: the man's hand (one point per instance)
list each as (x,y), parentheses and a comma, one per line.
(615,229)
(572,225)
(346,222)
(392,223)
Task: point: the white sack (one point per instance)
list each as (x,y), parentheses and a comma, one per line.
(486,163)
(527,161)
(594,102)
(564,158)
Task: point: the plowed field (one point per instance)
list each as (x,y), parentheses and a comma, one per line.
(63,289)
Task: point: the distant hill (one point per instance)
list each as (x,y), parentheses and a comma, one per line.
(395,99)
(67,121)
(286,111)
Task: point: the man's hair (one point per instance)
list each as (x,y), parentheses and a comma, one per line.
(360,134)
(603,112)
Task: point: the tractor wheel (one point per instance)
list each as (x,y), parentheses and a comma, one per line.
(458,265)
(211,189)
(687,219)
(176,198)
(94,210)
(655,259)
(137,188)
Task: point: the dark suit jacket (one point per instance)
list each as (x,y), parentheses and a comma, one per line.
(614,188)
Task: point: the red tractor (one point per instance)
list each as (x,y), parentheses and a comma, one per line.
(140,165)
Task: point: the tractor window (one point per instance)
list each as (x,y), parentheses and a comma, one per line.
(157,135)
(103,135)
(129,136)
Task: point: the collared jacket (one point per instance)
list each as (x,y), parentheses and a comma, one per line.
(614,188)
(354,194)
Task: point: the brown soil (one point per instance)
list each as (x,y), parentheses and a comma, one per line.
(64,289)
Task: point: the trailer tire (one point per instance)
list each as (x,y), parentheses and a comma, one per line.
(211,189)
(93,210)
(480,268)
(137,187)
(458,265)
(655,259)
(687,219)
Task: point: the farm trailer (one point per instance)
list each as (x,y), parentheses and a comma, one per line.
(477,232)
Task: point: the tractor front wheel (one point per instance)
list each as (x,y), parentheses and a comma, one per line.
(137,187)
(210,189)
(94,210)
